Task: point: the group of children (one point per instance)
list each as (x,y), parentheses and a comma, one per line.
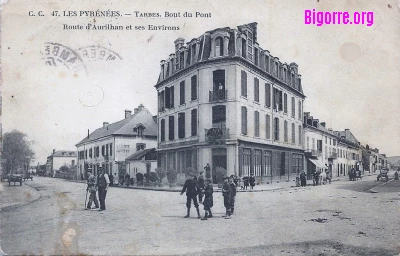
(192,189)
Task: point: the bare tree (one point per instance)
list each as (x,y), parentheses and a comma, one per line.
(17,151)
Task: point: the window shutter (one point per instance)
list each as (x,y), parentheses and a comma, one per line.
(194,122)
(172,97)
(268,95)
(268,127)
(244,120)
(167,97)
(194,87)
(244,83)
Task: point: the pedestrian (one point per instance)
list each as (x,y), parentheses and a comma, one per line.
(190,187)
(111,179)
(115,180)
(92,189)
(316,177)
(207,168)
(127,179)
(81,176)
(226,193)
(252,181)
(121,179)
(303,178)
(102,182)
(323,177)
(200,186)
(233,194)
(245,182)
(208,199)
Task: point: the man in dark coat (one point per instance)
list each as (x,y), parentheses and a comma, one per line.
(190,187)
(226,193)
(111,180)
(208,199)
(303,179)
(102,183)
(252,181)
(207,168)
(200,186)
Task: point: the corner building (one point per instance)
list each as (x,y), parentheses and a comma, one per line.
(224,100)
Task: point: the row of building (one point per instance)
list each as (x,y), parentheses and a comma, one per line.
(226,101)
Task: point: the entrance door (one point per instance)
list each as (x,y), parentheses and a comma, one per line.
(218,160)
(148,168)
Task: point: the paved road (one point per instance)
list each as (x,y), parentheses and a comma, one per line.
(324,220)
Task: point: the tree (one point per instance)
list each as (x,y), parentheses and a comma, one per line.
(17,152)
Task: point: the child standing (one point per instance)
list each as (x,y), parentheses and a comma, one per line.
(208,199)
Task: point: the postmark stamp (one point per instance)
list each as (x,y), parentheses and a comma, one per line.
(96,53)
(56,54)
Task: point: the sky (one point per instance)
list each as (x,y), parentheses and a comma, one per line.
(350,73)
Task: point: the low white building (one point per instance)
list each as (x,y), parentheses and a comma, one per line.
(142,161)
(60,158)
(110,145)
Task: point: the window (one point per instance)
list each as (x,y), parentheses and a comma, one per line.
(330,141)
(162,130)
(244,83)
(268,127)
(140,146)
(181,60)
(297,160)
(244,120)
(300,135)
(293,134)
(285,103)
(268,95)
(300,111)
(177,62)
(169,97)
(181,125)
(182,93)
(244,48)
(250,45)
(194,53)
(267,163)
(103,150)
(246,162)
(219,47)
(111,150)
(276,128)
(256,90)
(194,122)
(161,102)
(285,131)
(256,124)
(193,88)
(257,162)
(278,100)
(313,144)
(293,108)
(219,92)
(171,126)
(91,153)
(219,117)
(256,56)
(267,63)
(86,152)
(106,149)
(326,140)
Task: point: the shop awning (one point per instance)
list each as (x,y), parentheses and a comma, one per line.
(317,163)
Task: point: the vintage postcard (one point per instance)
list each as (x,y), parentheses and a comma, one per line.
(259,127)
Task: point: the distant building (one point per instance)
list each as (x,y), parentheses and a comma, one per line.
(110,145)
(142,161)
(224,100)
(58,159)
(350,151)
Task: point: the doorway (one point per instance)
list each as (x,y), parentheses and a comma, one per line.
(218,160)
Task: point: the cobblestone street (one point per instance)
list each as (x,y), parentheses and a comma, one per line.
(325,220)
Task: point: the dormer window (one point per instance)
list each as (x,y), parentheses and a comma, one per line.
(219,47)
(193,53)
(139,130)
(250,45)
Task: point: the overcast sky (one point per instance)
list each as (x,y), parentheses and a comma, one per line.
(350,73)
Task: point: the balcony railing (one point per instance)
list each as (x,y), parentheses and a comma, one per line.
(331,156)
(215,135)
(312,152)
(218,95)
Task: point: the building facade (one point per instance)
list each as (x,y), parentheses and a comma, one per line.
(59,159)
(320,147)
(110,145)
(224,100)
(350,151)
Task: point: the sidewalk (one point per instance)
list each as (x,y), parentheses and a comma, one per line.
(13,196)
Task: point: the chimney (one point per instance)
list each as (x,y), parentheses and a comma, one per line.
(54,151)
(323,124)
(105,124)
(140,107)
(179,43)
(135,110)
(88,133)
(128,113)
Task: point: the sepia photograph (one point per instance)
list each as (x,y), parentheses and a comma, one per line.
(259,127)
